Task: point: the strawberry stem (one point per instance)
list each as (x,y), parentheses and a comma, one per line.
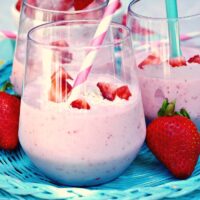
(161,112)
(168,109)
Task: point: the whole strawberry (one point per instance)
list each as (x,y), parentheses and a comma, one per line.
(9,120)
(174,140)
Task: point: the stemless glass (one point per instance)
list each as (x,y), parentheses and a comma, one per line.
(33,14)
(93,138)
(158,78)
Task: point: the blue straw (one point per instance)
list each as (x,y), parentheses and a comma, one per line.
(173,28)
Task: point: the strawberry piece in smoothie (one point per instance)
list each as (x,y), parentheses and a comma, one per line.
(80,104)
(80,4)
(195,59)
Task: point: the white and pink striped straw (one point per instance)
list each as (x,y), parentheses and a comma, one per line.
(97,41)
(8,34)
(144,45)
(190,36)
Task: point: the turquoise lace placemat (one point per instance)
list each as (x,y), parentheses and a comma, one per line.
(145,179)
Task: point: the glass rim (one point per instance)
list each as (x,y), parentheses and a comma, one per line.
(135,14)
(94,22)
(104,4)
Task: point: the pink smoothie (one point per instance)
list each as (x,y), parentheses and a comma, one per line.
(81,147)
(175,83)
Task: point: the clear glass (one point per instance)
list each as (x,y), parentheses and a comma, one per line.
(158,79)
(33,14)
(80,147)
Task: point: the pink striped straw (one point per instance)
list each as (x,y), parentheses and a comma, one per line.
(190,36)
(97,41)
(91,54)
(8,34)
(185,37)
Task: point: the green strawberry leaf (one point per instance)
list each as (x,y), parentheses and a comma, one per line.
(7,85)
(184,113)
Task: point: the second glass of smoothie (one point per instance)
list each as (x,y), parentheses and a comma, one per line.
(159,77)
(36,12)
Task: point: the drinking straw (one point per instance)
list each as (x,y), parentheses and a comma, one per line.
(173,28)
(8,34)
(95,43)
(190,36)
(118,60)
(185,37)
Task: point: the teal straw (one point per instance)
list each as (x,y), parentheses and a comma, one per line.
(173,28)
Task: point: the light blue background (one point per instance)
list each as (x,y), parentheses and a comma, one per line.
(6,18)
